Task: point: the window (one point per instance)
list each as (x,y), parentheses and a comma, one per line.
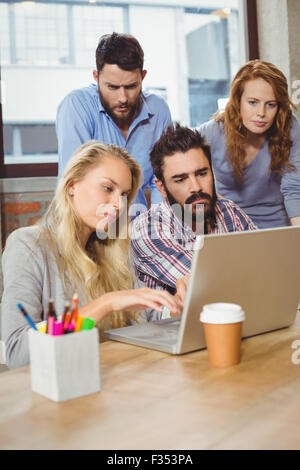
(89,24)
(29,141)
(48,49)
(212,66)
(39,33)
(4,34)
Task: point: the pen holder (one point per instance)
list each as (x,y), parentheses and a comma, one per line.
(66,366)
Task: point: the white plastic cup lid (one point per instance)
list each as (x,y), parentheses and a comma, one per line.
(222,313)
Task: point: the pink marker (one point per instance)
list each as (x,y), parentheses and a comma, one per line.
(58,328)
(50,324)
(71,327)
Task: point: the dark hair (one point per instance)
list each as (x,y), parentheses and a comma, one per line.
(176,138)
(121,49)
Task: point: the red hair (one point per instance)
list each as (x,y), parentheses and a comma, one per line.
(279,133)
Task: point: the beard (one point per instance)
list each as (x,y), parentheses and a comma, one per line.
(125,118)
(209,208)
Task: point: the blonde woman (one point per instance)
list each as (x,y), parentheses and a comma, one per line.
(70,250)
(255,147)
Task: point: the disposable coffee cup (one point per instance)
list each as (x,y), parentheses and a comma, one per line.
(223,332)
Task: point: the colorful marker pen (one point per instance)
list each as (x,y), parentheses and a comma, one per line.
(50,325)
(51,309)
(88,324)
(67,320)
(58,328)
(50,314)
(27,317)
(42,328)
(79,323)
(70,328)
(66,309)
(75,308)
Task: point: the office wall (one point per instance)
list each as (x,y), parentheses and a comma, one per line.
(294,43)
(279,39)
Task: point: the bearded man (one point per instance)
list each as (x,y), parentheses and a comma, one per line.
(114,110)
(164,238)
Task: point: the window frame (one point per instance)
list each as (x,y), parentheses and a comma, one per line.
(25,170)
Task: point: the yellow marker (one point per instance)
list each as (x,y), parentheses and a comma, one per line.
(79,323)
(42,328)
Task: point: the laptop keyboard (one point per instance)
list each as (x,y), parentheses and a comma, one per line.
(155,332)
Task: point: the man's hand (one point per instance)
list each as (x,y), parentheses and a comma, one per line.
(181,287)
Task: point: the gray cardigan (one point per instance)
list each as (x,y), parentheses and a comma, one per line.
(31,277)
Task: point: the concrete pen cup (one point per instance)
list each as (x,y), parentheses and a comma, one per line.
(64,367)
(223,332)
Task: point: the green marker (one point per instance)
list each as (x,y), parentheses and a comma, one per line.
(88,324)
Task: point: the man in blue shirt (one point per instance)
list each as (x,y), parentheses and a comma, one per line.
(115,110)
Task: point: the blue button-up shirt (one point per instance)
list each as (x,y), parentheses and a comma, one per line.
(81,117)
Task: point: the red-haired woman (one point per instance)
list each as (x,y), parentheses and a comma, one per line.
(255,146)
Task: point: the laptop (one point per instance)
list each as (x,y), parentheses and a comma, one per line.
(258,270)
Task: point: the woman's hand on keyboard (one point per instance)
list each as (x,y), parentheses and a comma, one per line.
(139,299)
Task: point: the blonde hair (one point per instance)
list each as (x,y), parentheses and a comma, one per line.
(101,266)
(279,133)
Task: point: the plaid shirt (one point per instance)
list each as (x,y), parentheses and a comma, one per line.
(162,246)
